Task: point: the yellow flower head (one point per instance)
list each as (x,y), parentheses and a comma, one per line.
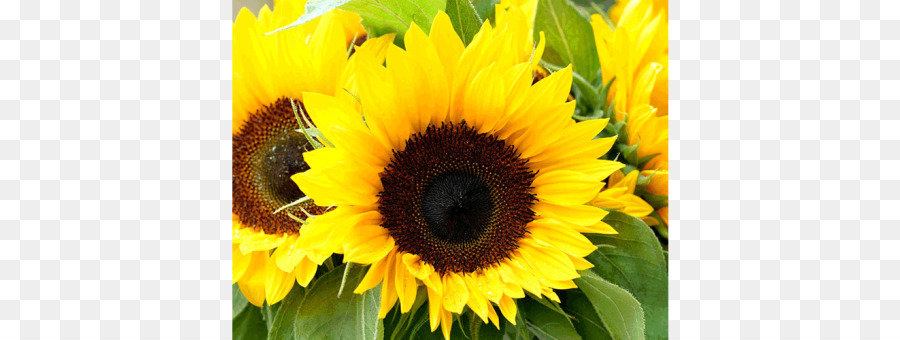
(456,172)
(270,70)
(636,53)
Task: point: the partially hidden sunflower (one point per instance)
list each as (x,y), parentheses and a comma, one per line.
(268,72)
(658,51)
(457,173)
(635,52)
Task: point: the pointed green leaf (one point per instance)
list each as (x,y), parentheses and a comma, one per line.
(545,323)
(283,322)
(519,331)
(570,39)
(314,9)
(465,18)
(633,259)
(395,16)
(379,17)
(587,322)
(249,325)
(268,313)
(314,312)
(322,310)
(238,301)
(620,312)
(485,8)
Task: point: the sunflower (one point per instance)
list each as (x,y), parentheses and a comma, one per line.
(635,53)
(456,172)
(269,71)
(619,195)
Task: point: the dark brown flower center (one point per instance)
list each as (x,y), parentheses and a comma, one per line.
(457,198)
(267,151)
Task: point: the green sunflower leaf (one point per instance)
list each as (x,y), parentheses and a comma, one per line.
(317,313)
(485,8)
(519,331)
(249,325)
(634,260)
(268,313)
(396,16)
(545,323)
(397,324)
(620,312)
(477,329)
(570,39)
(283,322)
(465,18)
(378,17)
(238,301)
(587,322)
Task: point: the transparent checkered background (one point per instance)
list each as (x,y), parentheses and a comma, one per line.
(115,152)
(785,128)
(114,169)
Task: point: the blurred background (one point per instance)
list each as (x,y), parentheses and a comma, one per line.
(253,5)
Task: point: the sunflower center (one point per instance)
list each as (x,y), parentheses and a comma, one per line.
(266,152)
(457,207)
(457,198)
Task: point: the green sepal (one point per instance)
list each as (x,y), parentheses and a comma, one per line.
(628,152)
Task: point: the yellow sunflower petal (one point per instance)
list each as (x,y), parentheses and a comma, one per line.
(288,255)
(278,282)
(477,302)
(484,101)
(239,263)
(550,294)
(580,263)
(434,308)
(305,271)
(549,262)
(576,214)
(490,284)
(455,292)
(253,283)
(367,244)
(405,284)
(599,228)
(508,308)
(332,116)
(513,290)
(446,324)
(381,108)
(565,187)
(447,43)
(433,84)
(388,290)
(524,274)
(560,236)
(261,242)
(374,275)
(418,268)
(492,315)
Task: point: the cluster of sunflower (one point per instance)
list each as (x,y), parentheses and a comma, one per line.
(480,157)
